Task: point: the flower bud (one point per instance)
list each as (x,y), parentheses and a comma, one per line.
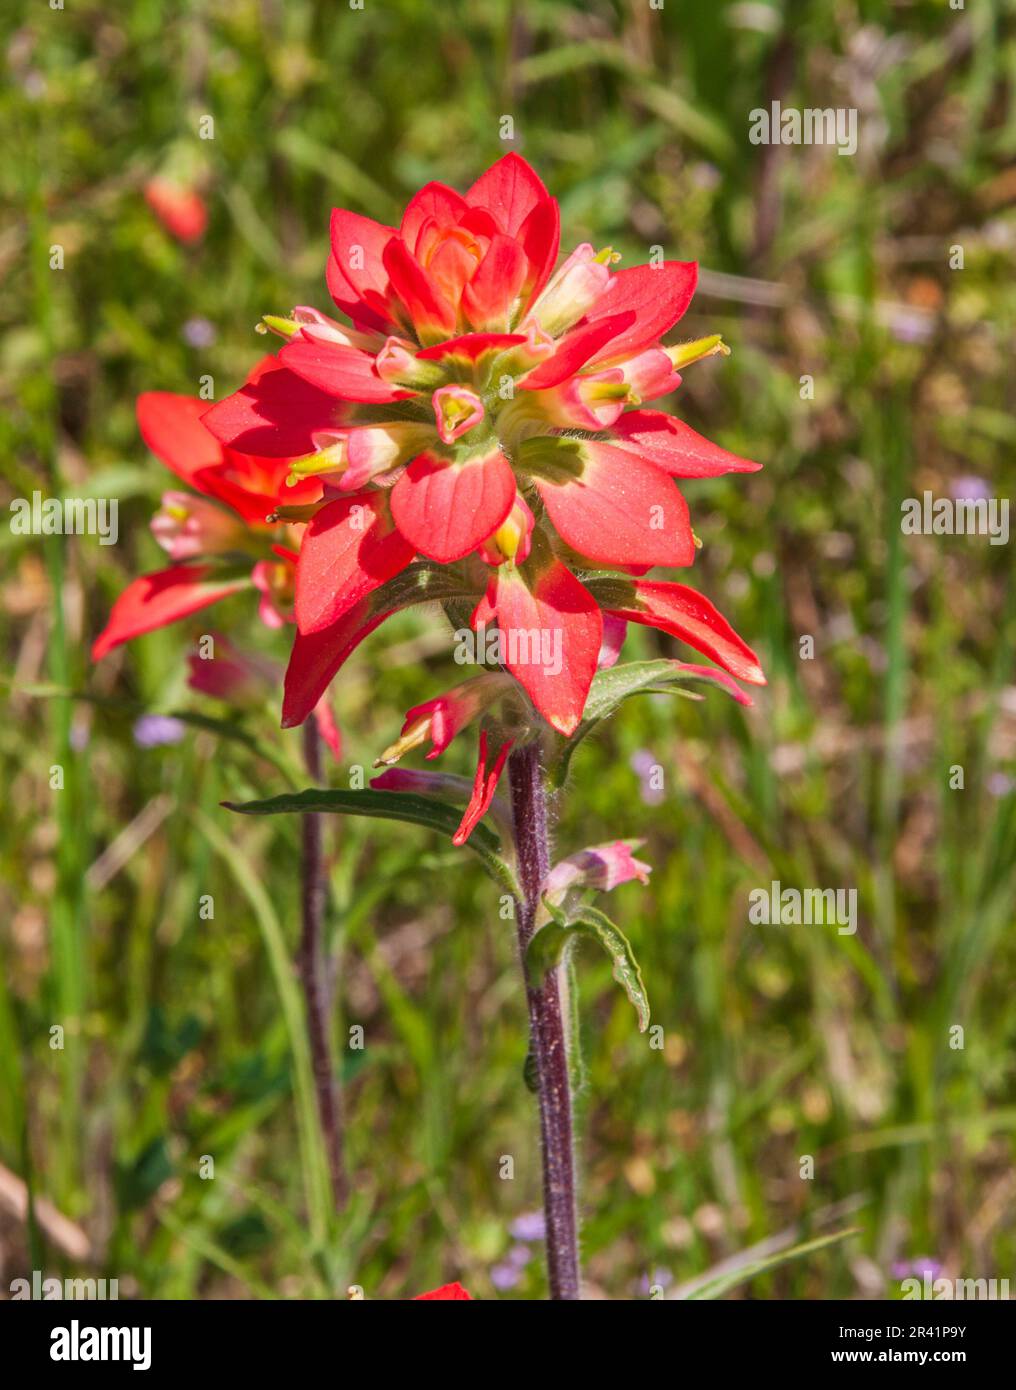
(573,289)
(512,539)
(187,525)
(457,410)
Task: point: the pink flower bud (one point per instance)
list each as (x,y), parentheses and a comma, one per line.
(573,289)
(457,410)
(601,866)
(187,525)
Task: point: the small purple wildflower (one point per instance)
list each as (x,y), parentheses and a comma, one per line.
(199,332)
(659,1277)
(528,1226)
(969,488)
(504,1275)
(919,1267)
(643,763)
(158,730)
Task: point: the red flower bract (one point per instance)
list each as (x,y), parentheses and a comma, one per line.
(482,411)
(225,526)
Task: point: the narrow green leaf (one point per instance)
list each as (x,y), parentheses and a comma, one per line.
(611,688)
(309,1135)
(548,945)
(398,806)
(717,1287)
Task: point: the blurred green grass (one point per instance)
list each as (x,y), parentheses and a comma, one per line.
(779,1042)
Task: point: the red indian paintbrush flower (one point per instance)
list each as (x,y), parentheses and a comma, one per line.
(217,535)
(180,209)
(447,1293)
(482,413)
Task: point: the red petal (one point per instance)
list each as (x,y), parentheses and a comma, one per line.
(547,605)
(574,351)
(343,372)
(470,347)
(276,415)
(540,237)
(658,295)
(484,787)
(315,659)
(510,189)
(156,600)
(617,510)
(253,487)
(434,201)
(432,316)
(172,427)
(675,447)
(371,312)
(720,678)
(329,730)
(357,278)
(446,1292)
(446,508)
(490,296)
(686,614)
(348,550)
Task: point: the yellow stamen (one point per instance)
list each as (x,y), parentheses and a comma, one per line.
(508,538)
(416,734)
(285,328)
(684,354)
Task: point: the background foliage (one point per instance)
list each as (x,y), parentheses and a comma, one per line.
(781,1041)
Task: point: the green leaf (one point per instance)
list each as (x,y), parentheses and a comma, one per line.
(310,1137)
(611,688)
(400,806)
(716,1288)
(550,942)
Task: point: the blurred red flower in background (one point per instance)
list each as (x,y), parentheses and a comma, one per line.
(180,209)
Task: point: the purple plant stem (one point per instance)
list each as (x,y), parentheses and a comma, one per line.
(546,1028)
(314,977)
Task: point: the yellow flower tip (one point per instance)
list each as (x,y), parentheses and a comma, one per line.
(697,540)
(508,538)
(285,328)
(684,354)
(260,328)
(416,734)
(354,1293)
(608,256)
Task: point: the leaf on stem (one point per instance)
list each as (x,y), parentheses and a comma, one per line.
(397,806)
(550,942)
(612,687)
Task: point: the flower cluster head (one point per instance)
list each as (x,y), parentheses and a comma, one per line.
(476,433)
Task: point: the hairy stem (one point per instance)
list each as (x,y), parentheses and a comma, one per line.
(547,1029)
(314,977)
